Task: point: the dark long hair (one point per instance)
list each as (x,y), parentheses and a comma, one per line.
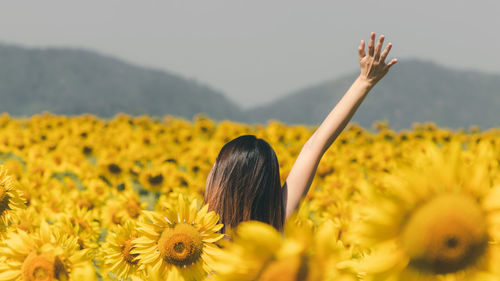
(244,184)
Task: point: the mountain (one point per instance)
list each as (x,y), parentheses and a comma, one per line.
(413,91)
(74,81)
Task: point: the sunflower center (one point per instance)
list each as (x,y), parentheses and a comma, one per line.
(85,203)
(115,218)
(445,235)
(155,180)
(4,200)
(133,209)
(42,267)
(114,169)
(87,150)
(40,273)
(80,222)
(451,242)
(127,256)
(181,245)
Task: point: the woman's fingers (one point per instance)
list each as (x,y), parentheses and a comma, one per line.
(392,62)
(384,54)
(378,47)
(361,49)
(371,48)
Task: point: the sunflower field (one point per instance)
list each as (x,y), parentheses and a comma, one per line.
(83,198)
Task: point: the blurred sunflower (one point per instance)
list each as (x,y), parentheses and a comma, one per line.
(156,177)
(254,255)
(329,254)
(124,207)
(44,255)
(179,241)
(113,168)
(431,221)
(203,126)
(52,205)
(116,253)
(258,252)
(27,220)
(82,224)
(97,187)
(15,168)
(10,199)
(170,200)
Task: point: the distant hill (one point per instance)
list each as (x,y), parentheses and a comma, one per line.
(414,91)
(72,81)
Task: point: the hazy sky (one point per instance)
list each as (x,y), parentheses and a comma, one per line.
(256,50)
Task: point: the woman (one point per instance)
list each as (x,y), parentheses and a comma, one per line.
(244,183)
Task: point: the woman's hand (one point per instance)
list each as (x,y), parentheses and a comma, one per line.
(373,66)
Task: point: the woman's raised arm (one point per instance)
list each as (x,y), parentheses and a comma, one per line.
(373,68)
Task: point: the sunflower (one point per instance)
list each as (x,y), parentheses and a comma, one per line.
(170,200)
(433,220)
(85,271)
(203,126)
(53,204)
(44,255)
(125,206)
(10,199)
(116,252)
(330,253)
(82,224)
(15,168)
(98,187)
(27,220)
(178,241)
(259,252)
(112,213)
(113,168)
(253,255)
(155,178)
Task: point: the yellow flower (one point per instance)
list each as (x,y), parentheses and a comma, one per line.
(52,205)
(156,178)
(254,246)
(113,168)
(432,220)
(86,271)
(82,224)
(116,253)
(178,241)
(26,219)
(10,199)
(15,168)
(259,252)
(329,254)
(125,206)
(45,255)
(97,187)
(203,126)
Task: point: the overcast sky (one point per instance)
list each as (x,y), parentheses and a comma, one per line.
(257,50)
